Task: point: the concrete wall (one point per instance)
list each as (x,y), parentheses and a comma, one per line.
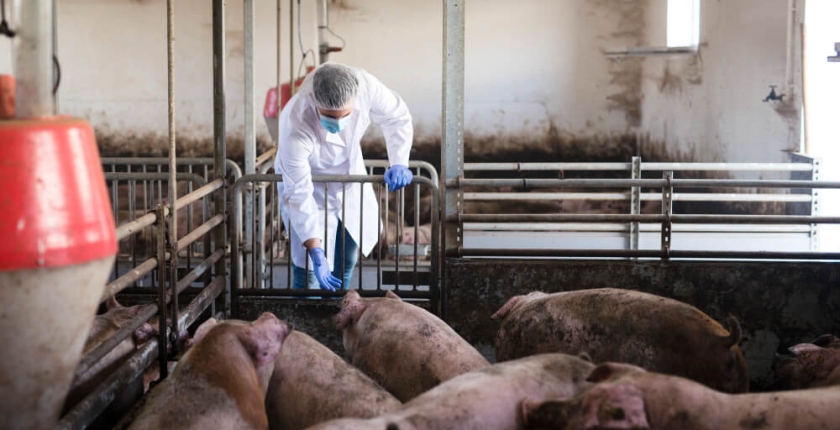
(777,304)
(537,81)
(709,106)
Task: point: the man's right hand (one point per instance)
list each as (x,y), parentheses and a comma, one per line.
(322,270)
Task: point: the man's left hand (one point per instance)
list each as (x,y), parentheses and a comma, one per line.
(397,177)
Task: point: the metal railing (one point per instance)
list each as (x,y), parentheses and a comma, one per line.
(803,190)
(173,318)
(259,278)
(137,185)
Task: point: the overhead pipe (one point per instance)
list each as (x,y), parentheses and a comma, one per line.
(32,58)
(219,130)
(324,47)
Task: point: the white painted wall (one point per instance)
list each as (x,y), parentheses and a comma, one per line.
(534,71)
(708,107)
(823,103)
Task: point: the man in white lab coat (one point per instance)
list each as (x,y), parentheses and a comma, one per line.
(320,131)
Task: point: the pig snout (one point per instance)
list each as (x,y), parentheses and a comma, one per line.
(144,333)
(407,237)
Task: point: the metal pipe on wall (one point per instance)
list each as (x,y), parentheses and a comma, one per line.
(279,51)
(291,51)
(323,24)
(250,123)
(56,71)
(219,129)
(32,58)
(173,166)
(791,39)
(452,161)
(250,120)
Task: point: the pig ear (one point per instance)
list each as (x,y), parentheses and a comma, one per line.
(112,303)
(825,340)
(547,414)
(620,406)
(391,295)
(264,338)
(503,312)
(734,332)
(606,371)
(202,330)
(352,308)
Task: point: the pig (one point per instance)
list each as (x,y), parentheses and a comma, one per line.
(423,236)
(814,364)
(656,333)
(628,397)
(485,399)
(104,326)
(403,347)
(311,384)
(220,382)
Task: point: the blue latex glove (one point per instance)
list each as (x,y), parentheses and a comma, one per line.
(397,177)
(322,270)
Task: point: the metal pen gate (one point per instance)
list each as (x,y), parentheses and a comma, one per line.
(413,280)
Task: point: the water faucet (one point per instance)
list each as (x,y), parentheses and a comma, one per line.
(773,96)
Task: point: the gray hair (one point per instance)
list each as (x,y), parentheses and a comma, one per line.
(334,85)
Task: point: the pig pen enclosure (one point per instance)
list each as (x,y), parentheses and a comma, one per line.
(520,232)
(459,245)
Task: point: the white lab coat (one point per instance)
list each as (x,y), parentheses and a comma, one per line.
(305,148)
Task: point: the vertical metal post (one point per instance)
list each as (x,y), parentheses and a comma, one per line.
(173,168)
(667,195)
(160,238)
(250,137)
(219,167)
(815,207)
(260,239)
(635,202)
(32,58)
(452,162)
(291,51)
(279,63)
(323,23)
(56,72)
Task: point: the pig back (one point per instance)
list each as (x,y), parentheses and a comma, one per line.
(406,349)
(311,384)
(656,333)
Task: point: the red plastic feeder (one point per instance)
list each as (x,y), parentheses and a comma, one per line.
(57,250)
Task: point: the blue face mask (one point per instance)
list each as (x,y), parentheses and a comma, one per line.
(334,125)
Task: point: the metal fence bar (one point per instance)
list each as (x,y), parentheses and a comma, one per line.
(132,227)
(196,273)
(651,218)
(129,278)
(635,202)
(259,292)
(778,167)
(692,197)
(201,302)
(196,234)
(647,183)
(181,161)
(640,253)
(648,227)
(125,331)
(91,406)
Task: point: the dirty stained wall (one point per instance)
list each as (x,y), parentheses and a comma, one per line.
(710,104)
(538,85)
